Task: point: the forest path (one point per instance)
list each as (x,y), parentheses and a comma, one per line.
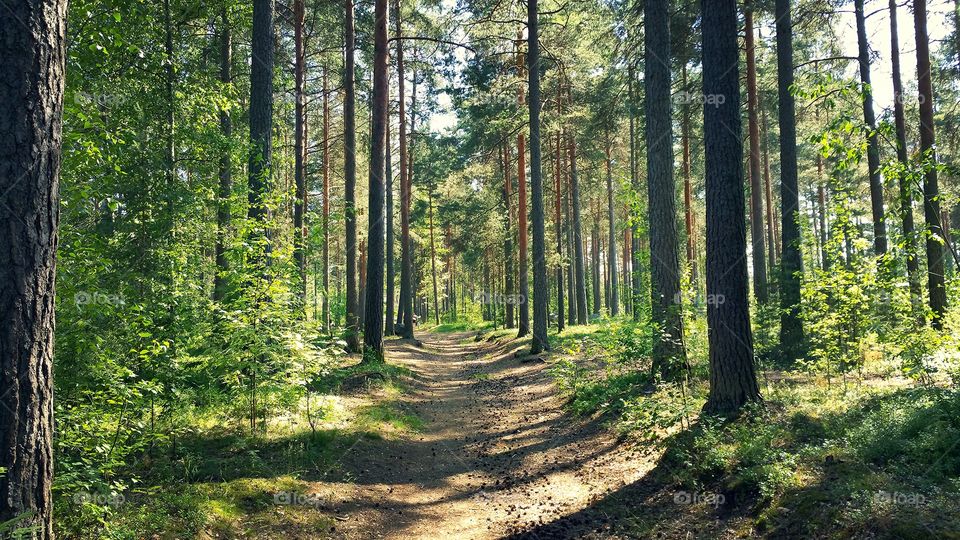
(497,454)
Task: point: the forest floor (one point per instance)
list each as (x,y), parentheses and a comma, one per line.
(495,453)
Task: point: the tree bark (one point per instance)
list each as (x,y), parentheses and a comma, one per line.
(350,177)
(936,289)
(406,246)
(669,354)
(261,111)
(433,261)
(791,260)
(391,252)
(687,186)
(300,150)
(760,290)
(32,57)
(508,238)
(523,307)
(326,203)
(869,118)
(733,382)
(635,185)
(541,295)
(612,242)
(578,258)
(225,169)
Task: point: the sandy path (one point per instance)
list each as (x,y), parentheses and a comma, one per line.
(497,454)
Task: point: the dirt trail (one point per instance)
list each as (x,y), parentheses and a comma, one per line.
(497,455)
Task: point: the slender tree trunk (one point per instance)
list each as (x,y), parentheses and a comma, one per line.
(558,221)
(391,252)
(635,184)
(226,170)
(612,245)
(373,307)
(523,307)
(873,150)
(350,177)
(541,295)
(791,261)
(906,196)
(931,190)
(261,110)
(326,203)
(822,206)
(578,259)
(669,355)
(756,188)
(508,238)
(733,381)
(768,195)
(406,246)
(300,150)
(571,270)
(433,262)
(32,56)
(687,186)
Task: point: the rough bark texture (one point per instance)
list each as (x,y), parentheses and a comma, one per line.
(541,294)
(32,54)
(350,175)
(523,306)
(373,306)
(300,150)
(870,119)
(791,262)
(931,191)
(760,290)
(406,247)
(733,381)
(261,108)
(558,223)
(669,356)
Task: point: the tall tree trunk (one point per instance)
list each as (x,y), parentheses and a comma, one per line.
(768,195)
(541,295)
(406,246)
(508,238)
(869,118)
(523,307)
(225,170)
(733,381)
(906,196)
(433,261)
(595,264)
(578,258)
(326,203)
(687,186)
(261,111)
(756,187)
(635,185)
(669,354)
(791,260)
(612,245)
(931,191)
(571,253)
(32,55)
(558,220)
(350,177)
(300,150)
(391,252)
(373,307)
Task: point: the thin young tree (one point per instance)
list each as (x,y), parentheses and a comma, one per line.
(391,239)
(669,354)
(300,150)
(406,246)
(32,59)
(373,306)
(791,261)
(326,202)
(760,290)
(612,232)
(936,289)
(869,118)
(541,293)
(733,382)
(225,187)
(350,175)
(523,306)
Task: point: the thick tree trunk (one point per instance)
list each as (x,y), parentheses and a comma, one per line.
(906,196)
(350,177)
(669,355)
(791,260)
(541,294)
(225,169)
(300,150)
(612,243)
(756,187)
(869,118)
(32,55)
(733,381)
(373,307)
(931,191)
(261,111)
